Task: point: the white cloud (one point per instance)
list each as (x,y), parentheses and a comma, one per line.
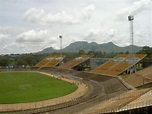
(48,19)
(137,7)
(87,12)
(36,40)
(3,37)
(52,41)
(32,36)
(12,48)
(101,35)
(11,30)
(34,15)
(83,20)
(41,17)
(140,6)
(94,35)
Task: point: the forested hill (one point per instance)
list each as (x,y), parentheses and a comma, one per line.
(93,46)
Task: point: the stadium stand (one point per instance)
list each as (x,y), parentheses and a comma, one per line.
(50,61)
(119,102)
(118,64)
(140,78)
(142,101)
(73,63)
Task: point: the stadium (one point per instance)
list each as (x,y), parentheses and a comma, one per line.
(82,85)
(89,81)
(104,89)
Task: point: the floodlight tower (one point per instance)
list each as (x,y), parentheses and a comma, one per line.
(60,36)
(131,18)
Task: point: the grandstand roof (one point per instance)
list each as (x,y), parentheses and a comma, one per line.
(118,64)
(75,62)
(140,78)
(50,61)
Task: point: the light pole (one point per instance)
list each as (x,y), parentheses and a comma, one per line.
(131,18)
(60,36)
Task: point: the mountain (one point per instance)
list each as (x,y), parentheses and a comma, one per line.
(83,45)
(47,50)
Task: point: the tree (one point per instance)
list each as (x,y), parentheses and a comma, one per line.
(4,61)
(81,52)
(146,50)
(26,59)
(148,59)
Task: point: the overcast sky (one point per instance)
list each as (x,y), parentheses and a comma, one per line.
(31,25)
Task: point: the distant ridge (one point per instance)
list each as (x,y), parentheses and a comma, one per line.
(93,46)
(48,50)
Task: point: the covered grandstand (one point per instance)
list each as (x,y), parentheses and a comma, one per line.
(75,62)
(50,61)
(140,78)
(119,64)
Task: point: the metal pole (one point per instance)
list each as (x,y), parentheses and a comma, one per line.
(132,33)
(60,43)
(131,18)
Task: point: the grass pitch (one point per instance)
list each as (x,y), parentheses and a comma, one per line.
(22,87)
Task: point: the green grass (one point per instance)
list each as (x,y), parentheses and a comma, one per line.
(22,87)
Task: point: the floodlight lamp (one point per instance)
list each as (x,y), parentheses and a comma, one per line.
(60,36)
(130,17)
